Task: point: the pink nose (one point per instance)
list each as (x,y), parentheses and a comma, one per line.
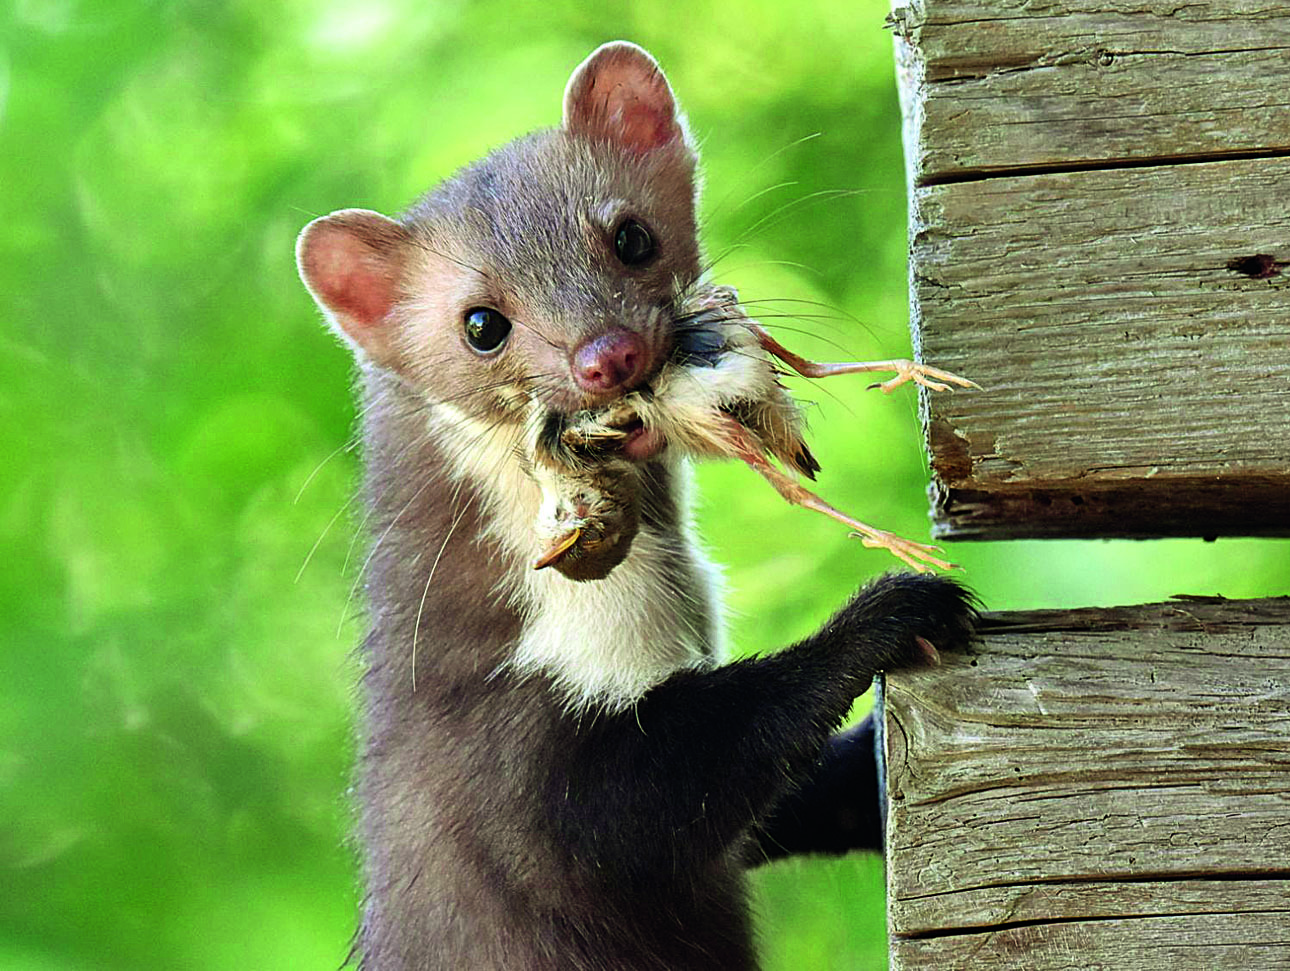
(611,361)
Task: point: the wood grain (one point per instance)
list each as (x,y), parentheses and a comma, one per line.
(1136,384)
(1012,85)
(1098,788)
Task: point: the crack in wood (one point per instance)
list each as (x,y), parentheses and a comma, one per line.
(1083,919)
(964,72)
(1167,615)
(983,173)
(1080,785)
(905,22)
(1161,876)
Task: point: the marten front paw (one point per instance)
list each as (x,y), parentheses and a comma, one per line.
(915,617)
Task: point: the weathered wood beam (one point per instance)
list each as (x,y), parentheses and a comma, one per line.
(1096,788)
(1099,236)
(1136,383)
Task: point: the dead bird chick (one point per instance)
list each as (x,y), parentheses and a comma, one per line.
(718,395)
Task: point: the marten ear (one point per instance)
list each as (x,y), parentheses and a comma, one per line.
(353,263)
(619,95)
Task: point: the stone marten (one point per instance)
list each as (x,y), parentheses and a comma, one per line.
(563,773)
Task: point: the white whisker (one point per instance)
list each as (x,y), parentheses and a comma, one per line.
(416,629)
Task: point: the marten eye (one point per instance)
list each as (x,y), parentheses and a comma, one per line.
(486,329)
(633,243)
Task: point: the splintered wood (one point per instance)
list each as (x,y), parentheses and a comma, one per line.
(718,396)
(1096,788)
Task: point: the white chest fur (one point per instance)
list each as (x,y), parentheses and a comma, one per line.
(603,642)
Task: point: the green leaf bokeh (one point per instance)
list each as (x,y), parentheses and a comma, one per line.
(176,700)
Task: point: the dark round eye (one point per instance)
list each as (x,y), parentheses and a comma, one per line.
(633,243)
(486,329)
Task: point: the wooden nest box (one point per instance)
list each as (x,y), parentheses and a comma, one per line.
(1100,235)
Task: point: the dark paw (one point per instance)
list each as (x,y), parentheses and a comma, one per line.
(915,616)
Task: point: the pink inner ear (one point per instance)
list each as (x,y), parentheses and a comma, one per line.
(353,271)
(619,95)
(359,286)
(639,125)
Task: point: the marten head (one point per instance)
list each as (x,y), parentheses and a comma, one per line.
(546,272)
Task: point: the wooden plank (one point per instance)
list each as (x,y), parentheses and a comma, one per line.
(1136,383)
(1014,85)
(1104,786)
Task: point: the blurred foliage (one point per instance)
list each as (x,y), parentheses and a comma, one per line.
(176,695)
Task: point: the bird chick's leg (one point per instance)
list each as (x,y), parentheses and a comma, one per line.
(906,370)
(743,445)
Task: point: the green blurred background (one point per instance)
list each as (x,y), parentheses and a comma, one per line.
(176,700)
